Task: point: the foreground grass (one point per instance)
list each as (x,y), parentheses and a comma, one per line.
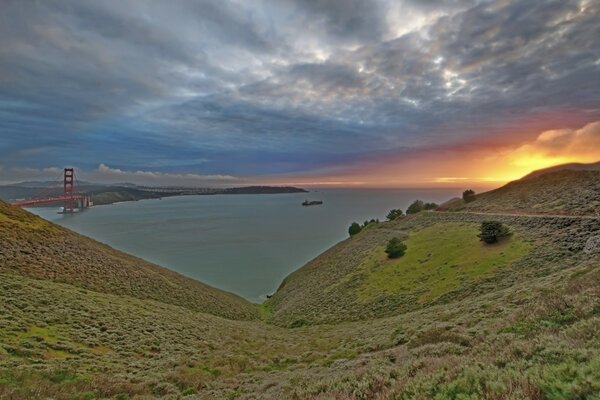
(535,340)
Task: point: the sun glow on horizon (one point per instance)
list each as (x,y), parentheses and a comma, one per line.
(479,168)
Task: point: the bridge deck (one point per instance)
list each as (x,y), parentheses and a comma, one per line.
(38,202)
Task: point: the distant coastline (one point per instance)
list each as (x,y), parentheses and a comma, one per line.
(103,195)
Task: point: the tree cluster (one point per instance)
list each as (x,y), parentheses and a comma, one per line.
(419,205)
(355,227)
(394,214)
(469,196)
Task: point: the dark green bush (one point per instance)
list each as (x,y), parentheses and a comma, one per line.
(395,248)
(354,229)
(430,206)
(469,196)
(393,214)
(415,207)
(298,323)
(492,231)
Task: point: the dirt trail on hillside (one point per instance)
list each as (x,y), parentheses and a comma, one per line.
(500,214)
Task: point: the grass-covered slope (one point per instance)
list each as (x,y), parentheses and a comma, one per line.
(444,262)
(536,339)
(568,192)
(33,247)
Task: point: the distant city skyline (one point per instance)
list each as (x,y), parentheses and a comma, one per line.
(315,93)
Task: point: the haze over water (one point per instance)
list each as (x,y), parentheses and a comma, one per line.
(245,244)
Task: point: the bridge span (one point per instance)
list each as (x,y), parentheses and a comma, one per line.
(71,200)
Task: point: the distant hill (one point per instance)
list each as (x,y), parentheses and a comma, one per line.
(263,190)
(108,194)
(562,167)
(563,191)
(33,247)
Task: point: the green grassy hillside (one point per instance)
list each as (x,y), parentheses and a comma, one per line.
(33,247)
(444,262)
(451,319)
(558,192)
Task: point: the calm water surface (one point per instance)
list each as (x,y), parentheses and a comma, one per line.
(245,244)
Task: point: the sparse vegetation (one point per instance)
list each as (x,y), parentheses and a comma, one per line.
(556,193)
(368,222)
(442,259)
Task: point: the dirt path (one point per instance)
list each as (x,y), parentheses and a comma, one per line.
(526,215)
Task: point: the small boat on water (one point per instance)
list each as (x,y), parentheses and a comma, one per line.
(312,203)
(62,210)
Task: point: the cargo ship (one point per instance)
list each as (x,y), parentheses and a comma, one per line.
(312,203)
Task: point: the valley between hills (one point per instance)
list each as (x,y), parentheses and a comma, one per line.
(453,318)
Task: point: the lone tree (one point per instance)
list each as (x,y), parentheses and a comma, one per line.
(395,248)
(354,229)
(415,207)
(393,214)
(492,231)
(469,196)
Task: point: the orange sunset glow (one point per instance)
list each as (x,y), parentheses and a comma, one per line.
(477,167)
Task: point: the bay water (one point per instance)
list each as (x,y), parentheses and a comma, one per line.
(245,244)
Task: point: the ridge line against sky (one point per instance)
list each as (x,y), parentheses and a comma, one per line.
(337,92)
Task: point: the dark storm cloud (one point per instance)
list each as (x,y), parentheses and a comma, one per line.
(284,86)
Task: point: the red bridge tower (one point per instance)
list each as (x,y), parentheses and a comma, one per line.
(69,194)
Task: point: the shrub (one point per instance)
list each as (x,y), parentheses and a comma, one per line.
(415,207)
(393,214)
(469,196)
(372,221)
(395,248)
(298,323)
(354,229)
(430,206)
(492,231)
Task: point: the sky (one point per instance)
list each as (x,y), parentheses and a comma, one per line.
(426,93)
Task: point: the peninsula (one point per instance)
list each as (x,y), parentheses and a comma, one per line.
(108,194)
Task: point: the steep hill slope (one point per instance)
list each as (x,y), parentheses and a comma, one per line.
(560,192)
(33,247)
(445,262)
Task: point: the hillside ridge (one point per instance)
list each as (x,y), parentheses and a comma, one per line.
(34,247)
(570,166)
(561,192)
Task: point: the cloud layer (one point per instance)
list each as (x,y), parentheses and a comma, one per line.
(286,87)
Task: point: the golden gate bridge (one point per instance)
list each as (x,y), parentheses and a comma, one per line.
(72,201)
